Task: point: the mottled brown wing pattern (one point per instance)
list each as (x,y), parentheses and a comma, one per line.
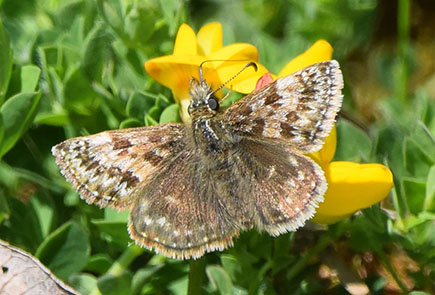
(298,109)
(107,168)
(180,214)
(287,187)
(195,205)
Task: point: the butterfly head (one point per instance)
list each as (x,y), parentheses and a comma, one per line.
(203,102)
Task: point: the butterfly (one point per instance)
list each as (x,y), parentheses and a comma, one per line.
(192,188)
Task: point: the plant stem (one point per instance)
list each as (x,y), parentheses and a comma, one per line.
(254,286)
(334,233)
(196,274)
(125,260)
(304,260)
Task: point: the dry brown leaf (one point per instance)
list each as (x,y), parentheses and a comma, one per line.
(23,274)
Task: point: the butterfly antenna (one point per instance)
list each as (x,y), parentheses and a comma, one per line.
(251,64)
(200,71)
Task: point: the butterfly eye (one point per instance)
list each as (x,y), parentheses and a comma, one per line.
(213,103)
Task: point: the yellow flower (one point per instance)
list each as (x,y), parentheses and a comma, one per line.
(351,186)
(190,50)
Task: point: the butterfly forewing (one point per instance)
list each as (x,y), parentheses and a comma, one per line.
(298,109)
(106,168)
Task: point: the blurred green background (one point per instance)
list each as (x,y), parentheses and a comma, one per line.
(71,68)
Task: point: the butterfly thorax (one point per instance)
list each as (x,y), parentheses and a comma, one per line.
(207,130)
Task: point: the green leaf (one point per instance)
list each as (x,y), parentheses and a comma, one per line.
(97,52)
(53,119)
(429,204)
(220,279)
(424,140)
(352,143)
(423,236)
(231,265)
(114,232)
(66,250)
(2,129)
(138,104)
(152,117)
(99,263)
(23,226)
(367,235)
(29,78)
(4,209)
(110,284)
(71,198)
(424,107)
(415,194)
(5,62)
(111,16)
(18,113)
(171,9)
(417,163)
(80,97)
(178,287)
(45,213)
(389,145)
(114,215)
(142,276)
(170,114)
(142,21)
(127,74)
(84,283)
(130,123)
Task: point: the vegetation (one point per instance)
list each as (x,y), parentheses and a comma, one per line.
(75,67)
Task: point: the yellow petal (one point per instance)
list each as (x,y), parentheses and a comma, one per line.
(237,51)
(320,51)
(210,38)
(351,187)
(174,72)
(234,57)
(184,105)
(245,82)
(185,42)
(326,154)
(322,218)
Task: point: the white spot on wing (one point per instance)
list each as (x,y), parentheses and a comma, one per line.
(161,221)
(100,138)
(301,176)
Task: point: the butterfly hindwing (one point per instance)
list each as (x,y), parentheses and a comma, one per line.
(287,187)
(298,109)
(108,167)
(195,206)
(180,213)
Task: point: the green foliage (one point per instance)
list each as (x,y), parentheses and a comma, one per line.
(5,61)
(71,68)
(66,250)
